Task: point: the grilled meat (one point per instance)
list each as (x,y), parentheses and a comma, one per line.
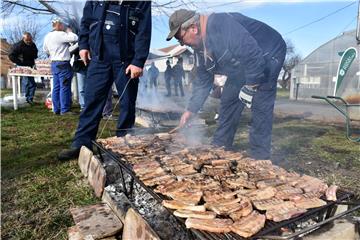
(194,214)
(262,194)
(212,225)
(284,213)
(216,195)
(187,196)
(236,183)
(288,193)
(331,193)
(311,185)
(174,186)
(173,204)
(308,203)
(246,209)
(269,183)
(159,180)
(249,225)
(272,204)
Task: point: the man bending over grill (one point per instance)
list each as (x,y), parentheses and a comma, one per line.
(250,54)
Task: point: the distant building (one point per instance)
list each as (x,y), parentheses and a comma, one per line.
(6,64)
(317,73)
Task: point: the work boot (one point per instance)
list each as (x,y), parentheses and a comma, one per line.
(68,154)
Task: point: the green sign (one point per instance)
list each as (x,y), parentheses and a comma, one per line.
(345,62)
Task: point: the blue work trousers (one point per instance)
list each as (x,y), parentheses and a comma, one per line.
(81,79)
(100,77)
(261,112)
(30,88)
(61,94)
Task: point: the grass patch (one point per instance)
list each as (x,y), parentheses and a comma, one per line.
(282,93)
(37,190)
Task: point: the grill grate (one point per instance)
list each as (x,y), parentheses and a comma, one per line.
(321,215)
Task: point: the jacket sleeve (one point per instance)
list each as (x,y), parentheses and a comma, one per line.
(239,47)
(201,88)
(69,37)
(14,54)
(143,36)
(85,26)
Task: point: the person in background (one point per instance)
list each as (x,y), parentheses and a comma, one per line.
(168,76)
(251,54)
(178,75)
(80,69)
(153,74)
(114,41)
(24,53)
(143,81)
(56,45)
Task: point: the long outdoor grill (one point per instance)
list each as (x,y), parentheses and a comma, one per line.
(296,226)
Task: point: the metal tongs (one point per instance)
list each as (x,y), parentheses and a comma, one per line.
(174,130)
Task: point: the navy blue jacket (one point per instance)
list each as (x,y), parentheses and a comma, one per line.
(134,35)
(236,46)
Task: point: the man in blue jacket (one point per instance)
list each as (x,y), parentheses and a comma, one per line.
(250,54)
(115,36)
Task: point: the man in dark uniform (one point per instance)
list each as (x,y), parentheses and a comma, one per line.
(168,75)
(115,35)
(24,53)
(251,54)
(178,75)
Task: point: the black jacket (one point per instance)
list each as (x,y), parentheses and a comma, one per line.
(133,32)
(23,55)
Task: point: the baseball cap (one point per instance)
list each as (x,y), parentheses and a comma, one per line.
(176,19)
(56,20)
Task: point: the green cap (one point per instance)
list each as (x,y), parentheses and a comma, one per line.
(176,19)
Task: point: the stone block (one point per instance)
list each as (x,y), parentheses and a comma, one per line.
(118,202)
(74,233)
(96,221)
(135,227)
(84,160)
(96,176)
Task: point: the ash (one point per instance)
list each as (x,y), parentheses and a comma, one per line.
(158,217)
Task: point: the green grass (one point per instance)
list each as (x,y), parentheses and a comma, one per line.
(282,93)
(37,190)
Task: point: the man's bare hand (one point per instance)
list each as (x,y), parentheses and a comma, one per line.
(134,71)
(185,118)
(85,56)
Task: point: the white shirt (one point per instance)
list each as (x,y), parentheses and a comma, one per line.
(57,43)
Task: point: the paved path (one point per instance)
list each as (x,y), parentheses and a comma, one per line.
(309,110)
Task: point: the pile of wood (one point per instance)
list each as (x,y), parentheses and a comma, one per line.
(217,190)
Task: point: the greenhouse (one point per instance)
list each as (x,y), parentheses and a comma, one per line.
(318,73)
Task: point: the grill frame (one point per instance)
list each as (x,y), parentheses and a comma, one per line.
(324,214)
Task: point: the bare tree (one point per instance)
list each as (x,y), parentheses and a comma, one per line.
(291,60)
(14,32)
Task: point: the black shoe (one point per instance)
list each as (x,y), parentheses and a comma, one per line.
(30,102)
(68,154)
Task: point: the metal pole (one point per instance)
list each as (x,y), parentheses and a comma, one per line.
(14,78)
(297,91)
(358,25)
